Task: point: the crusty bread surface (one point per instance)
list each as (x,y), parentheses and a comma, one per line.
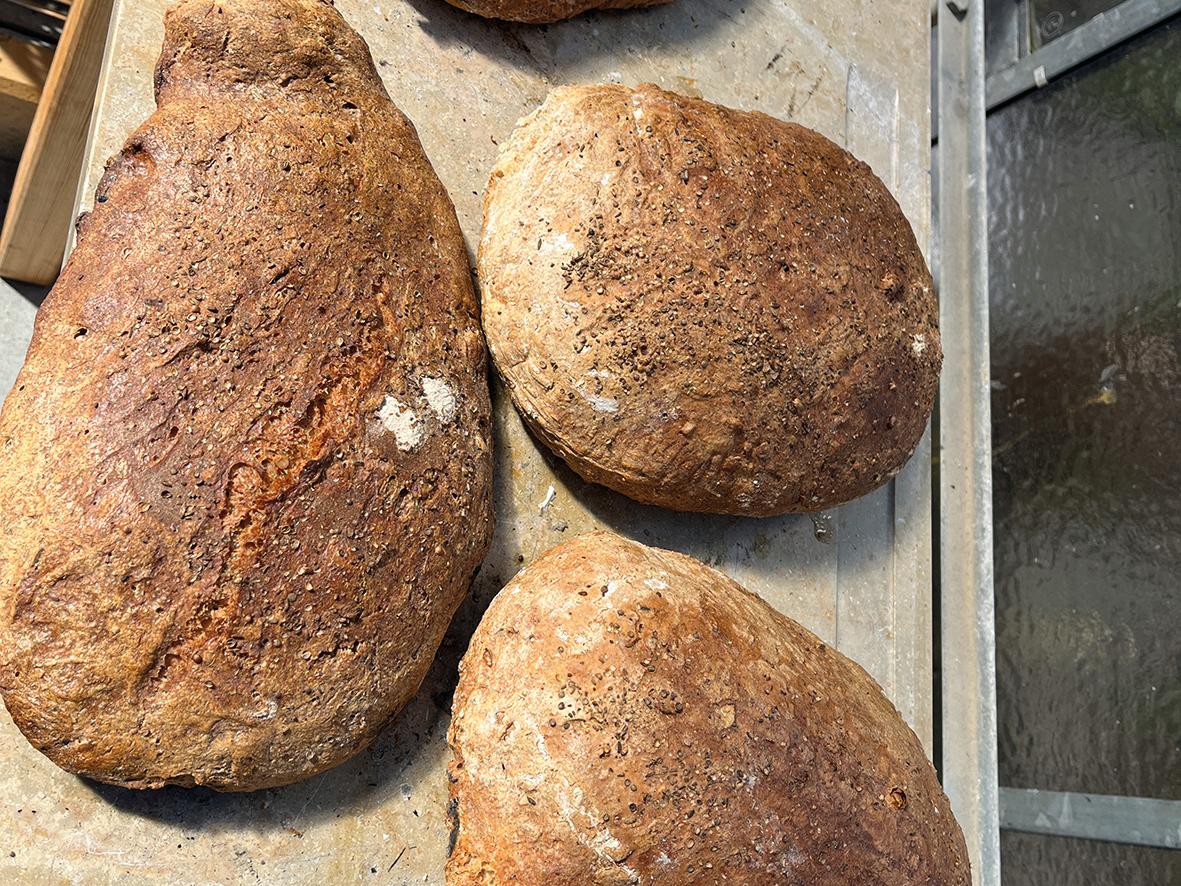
(626,715)
(245,470)
(703,308)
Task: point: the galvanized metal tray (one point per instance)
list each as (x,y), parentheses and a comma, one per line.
(856,70)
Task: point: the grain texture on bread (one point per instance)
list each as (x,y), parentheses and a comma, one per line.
(542,11)
(703,308)
(627,715)
(245,470)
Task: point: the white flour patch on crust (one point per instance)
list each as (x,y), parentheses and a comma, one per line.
(440,397)
(600,403)
(559,243)
(402,421)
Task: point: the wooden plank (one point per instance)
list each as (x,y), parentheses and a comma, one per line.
(23,69)
(41,208)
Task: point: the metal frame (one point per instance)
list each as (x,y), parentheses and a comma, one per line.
(969,743)
(1006,32)
(1136,820)
(1031,70)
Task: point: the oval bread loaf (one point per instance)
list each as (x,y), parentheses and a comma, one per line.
(626,715)
(702,308)
(245,470)
(542,11)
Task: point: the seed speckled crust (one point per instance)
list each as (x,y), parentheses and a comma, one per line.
(542,11)
(705,309)
(626,715)
(245,474)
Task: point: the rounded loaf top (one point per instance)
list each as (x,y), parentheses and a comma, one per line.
(293,48)
(703,308)
(627,715)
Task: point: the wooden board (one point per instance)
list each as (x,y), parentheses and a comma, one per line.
(40,209)
(856,70)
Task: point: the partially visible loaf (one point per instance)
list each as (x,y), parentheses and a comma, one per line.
(627,715)
(245,470)
(703,308)
(542,11)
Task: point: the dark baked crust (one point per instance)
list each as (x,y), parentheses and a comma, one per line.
(627,715)
(229,556)
(542,11)
(703,308)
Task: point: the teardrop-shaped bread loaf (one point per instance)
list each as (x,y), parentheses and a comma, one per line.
(627,715)
(245,470)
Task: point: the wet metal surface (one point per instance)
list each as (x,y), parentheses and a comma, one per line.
(1035,860)
(1085,253)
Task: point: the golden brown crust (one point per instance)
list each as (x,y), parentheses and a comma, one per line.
(703,308)
(245,469)
(626,715)
(542,11)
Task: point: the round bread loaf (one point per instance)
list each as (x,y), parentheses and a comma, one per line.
(245,473)
(702,308)
(541,11)
(626,715)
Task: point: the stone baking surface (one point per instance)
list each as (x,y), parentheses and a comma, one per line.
(858,576)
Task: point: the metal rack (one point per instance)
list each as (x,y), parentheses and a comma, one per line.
(1014,68)
(968,646)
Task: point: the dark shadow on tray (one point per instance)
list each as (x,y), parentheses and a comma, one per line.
(550,48)
(30,292)
(714,538)
(723,536)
